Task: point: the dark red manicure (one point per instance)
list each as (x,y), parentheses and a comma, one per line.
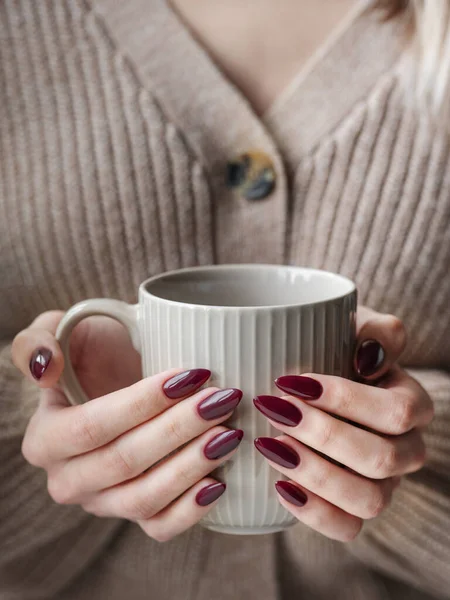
(303,387)
(277,452)
(223,444)
(219,404)
(369,358)
(279,410)
(39,362)
(210,493)
(185,383)
(291,493)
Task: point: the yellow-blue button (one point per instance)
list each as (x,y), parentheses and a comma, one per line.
(253,174)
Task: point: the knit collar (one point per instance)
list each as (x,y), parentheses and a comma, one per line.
(197,95)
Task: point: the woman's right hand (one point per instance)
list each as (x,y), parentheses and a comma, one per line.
(142,452)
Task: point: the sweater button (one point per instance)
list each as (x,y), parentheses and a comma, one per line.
(252,174)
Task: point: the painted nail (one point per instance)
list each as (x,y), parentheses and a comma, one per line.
(277,452)
(39,362)
(210,493)
(291,493)
(185,383)
(279,410)
(223,444)
(303,387)
(369,358)
(219,404)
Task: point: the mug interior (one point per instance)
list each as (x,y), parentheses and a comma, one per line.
(248,286)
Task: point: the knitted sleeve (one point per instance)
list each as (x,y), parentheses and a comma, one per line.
(411,539)
(43,545)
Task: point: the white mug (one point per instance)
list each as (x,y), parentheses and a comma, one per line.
(247,324)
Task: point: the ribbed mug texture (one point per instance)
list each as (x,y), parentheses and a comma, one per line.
(248,349)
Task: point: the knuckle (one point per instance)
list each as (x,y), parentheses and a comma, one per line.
(344,395)
(386,460)
(318,477)
(175,431)
(86,434)
(120,463)
(139,509)
(324,432)
(404,412)
(186,475)
(32,451)
(398,330)
(58,491)
(161,537)
(352,532)
(377,503)
(139,406)
(159,533)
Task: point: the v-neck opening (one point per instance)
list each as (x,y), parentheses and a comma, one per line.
(344,74)
(215,113)
(321,49)
(183,78)
(325,46)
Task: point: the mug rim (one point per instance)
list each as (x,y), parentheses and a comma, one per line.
(143,291)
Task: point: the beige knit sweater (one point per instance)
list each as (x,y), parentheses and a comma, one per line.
(115,133)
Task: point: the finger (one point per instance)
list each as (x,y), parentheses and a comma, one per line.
(356,495)
(369,454)
(317,513)
(395,406)
(180,515)
(142,447)
(63,432)
(381,339)
(144,497)
(36,352)
(185,512)
(34,445)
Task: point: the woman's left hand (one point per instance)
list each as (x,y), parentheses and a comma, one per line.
(369,454)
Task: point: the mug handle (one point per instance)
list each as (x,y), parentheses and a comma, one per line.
(127,314)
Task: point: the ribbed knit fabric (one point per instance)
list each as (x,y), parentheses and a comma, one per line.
(115,132)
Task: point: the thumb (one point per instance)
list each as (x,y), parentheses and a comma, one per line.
(36,353)
(381,341)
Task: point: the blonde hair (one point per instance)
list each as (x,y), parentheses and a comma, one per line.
(427,65)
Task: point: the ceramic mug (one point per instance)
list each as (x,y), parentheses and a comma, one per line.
(248,324)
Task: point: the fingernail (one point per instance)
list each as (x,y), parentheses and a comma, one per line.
(279,410)
(277,452)
(39,362)
(223,444)
(369,358)
(291,493)
(305,388)
(185,383)
(210,493)
(219,404)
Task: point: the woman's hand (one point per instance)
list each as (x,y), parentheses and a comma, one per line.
(369,454)
(141,450)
